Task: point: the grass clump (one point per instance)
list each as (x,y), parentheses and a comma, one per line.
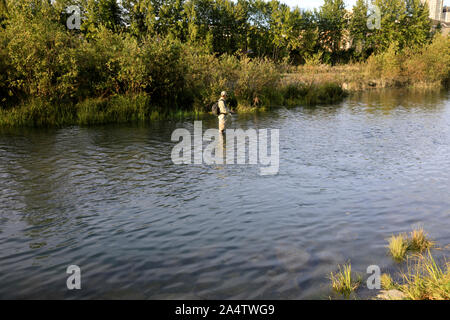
(398,246)
(417,241)
(344,282)
(386,282)
(425,280)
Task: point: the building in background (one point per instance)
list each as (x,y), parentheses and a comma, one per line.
(439,14)
(446,15)
(436,8)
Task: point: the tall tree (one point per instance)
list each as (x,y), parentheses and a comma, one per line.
(416,25)
(106,13)
(404,22)
(259,26)
(303,37)
(241,17)
(393,13)
(359,32)
(136,14)
(331,24)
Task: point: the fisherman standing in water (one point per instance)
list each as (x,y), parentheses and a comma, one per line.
(224,111)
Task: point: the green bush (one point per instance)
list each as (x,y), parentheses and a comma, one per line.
(429,64)
(40,52)
(257,78)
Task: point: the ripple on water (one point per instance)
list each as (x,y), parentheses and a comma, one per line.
(110,200)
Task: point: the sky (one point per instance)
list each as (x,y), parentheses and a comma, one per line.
(311,4)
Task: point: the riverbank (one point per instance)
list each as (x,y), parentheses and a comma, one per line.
(38,112)
(50,76)
(318,86)
(426,68)
(356,78)
(188,84)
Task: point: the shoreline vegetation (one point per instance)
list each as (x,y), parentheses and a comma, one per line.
(144,61)
(422,278)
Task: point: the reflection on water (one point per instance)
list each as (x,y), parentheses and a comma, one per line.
(110,200)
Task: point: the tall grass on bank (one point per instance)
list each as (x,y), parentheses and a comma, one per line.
(423,279)
(426,280)
(38,112)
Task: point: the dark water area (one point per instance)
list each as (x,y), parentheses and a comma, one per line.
(110,200)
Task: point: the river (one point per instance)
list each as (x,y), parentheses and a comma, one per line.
(110,200)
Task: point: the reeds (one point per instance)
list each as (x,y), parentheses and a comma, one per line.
(398,246)
(138,108)
(343,281)
(417,241)
(425,280)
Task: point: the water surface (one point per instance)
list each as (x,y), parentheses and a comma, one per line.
(110,200)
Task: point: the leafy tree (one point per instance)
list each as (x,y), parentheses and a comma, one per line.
(106,13)
(3,8)
(416,24)
(260,39)
(331,24)
(393,13)
(281,27)
(241,18)
(138,13)
(359,32)
(403,21)
(40,52)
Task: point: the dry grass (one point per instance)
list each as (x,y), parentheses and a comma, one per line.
(342,74)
